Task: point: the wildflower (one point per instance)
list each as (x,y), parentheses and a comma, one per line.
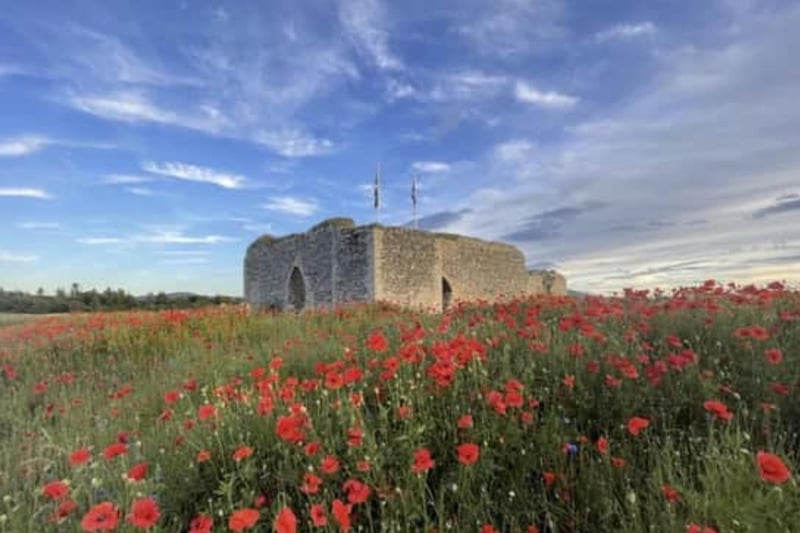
(695,528)
(137,472)
(718,409)
(144,513)
(201,523)
(243,519)
(171,397)
(464,422)
(113,450)
(488,528)
(637,424)
(311,483)
(377,342)
(341,513)
(602,445)
(354,437)
(79,456)
(618,462)
(670,494)
(206,411)
(774,356)
(772,469)
(65,508)
(243,452)
(318,516)
(56,490)
(203,456)
(468,453)
(357,492)
(422,461)
(286,521)
(329,465)
(102,517)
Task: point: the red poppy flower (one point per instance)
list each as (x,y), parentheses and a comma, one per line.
(56,490)
(243,519)
(670,494)
(203,456)
(318,516)
(311,483)
(357,492)
(772,469)
(696,528)
(137,472)
(468,453)
(602,445)
(718,409)
(377,342)
(201,523)
(488,528)
(363,466)
(79,456)
(144,513)
(243,452)
(774,356)
(637,424)
(329,465)
(113,450)
(465,422)
(618,462)
(286,521)
(422,461)
(171,397)
(341,513)
(102,517)
(206,411)
(65,508)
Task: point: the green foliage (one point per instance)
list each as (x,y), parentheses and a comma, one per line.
(545,381)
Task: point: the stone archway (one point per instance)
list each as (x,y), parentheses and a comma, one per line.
(447,294)
(297,290)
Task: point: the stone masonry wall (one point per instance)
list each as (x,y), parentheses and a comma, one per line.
(342,264)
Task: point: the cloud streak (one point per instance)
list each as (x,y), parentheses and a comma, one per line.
(187,172)
(25,192)
(290,205)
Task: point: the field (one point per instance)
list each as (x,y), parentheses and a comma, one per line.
(651,412)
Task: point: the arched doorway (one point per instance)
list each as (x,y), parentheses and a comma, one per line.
(297,290)
(447,294)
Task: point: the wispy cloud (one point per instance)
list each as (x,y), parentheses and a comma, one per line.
(184,261)
(116,179)
(22,145)
(140,191)
(625,31)
(99,241)
(25,193)
(364,23)
(187,172)
(292,206)
(8,257)
(126,107)
(530,95)
(294,143)
(430,167)
(39,225)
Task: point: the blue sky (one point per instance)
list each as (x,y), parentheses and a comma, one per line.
(144,144)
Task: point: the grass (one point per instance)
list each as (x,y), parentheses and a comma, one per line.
(363,417)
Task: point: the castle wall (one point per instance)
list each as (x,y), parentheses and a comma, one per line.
(483,270)
(341,263)
(407,268)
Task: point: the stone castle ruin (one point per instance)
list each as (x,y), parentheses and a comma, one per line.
(337,262)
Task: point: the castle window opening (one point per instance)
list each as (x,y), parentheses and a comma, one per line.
(447,294)
(297,290)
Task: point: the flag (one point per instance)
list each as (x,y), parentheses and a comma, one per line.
(377,188)
(414,191)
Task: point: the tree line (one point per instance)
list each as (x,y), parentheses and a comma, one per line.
(76,299)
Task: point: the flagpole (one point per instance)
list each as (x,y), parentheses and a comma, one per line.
(414,198)
(378,194)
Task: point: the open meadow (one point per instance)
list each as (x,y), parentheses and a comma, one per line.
(662,413)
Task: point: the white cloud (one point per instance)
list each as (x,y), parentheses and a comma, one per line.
(100,240)
(7,257)
(514,151)
(115,179)
(22,145)
(126,107)
(294,143)
(175,237)
(627,30)
(39,225)
(187,172)
(363,22)
(140,191)
(25,193)
(184,253)
(430,167)
(184,261)
(292,206)
(530,95)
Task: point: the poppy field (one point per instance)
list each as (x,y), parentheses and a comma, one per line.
(656,412)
